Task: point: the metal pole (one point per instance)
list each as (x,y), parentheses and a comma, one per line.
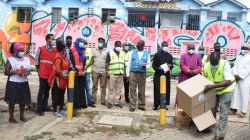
(71,84)
(163,89)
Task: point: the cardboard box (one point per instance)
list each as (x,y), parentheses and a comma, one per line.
(195,103)
(191,97)
(182,120)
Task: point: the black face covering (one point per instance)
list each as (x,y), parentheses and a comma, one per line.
(217,50)
(68,44)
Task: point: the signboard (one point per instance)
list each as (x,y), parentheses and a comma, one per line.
(155,5)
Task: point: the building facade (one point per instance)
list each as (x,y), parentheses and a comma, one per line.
(179,22)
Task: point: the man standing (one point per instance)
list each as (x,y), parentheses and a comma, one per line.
(219,72)
(44,66)
(190,65)
(126,80)
(217,48)
(203,55)
(116,69)
(88,54)
(162,58)
(98,61)
(138,62)
(242,89)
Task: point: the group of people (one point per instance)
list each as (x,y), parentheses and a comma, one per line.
(122,67)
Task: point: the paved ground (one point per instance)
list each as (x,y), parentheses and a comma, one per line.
(84,126)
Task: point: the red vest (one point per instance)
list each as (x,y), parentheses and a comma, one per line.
(53,77)
(78,64)
(46,62)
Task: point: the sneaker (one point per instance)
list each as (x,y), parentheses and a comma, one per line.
(119,105)
(57,114)
(62,112)
(109,105)
(91,105)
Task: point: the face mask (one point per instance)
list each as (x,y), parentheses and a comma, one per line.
(100,45)
(201,52)
(165,49)
(53,43)
(243,52)
(126,48)
(68,44)
(213,67)
(118,49)
(85,46)
(190,51)
(81,45)
(20,54)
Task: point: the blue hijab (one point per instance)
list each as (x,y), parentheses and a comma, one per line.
(78,49)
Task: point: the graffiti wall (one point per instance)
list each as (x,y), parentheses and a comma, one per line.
(32,35)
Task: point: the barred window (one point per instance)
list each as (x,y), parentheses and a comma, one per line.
(171,20)
(73,14)
(193,20)
(24,15)
(234,16)
(214,15)
(108,15)
(141,18)
(56,15)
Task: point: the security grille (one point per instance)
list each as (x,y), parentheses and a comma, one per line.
(171,20)
(73,14)
(193,20)
(24,15)
(141,18)
(214,15)
(107,14)
(56,17)
(234,16)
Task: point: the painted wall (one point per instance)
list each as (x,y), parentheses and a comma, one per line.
(230,35)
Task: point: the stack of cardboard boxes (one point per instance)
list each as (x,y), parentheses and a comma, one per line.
(195,103)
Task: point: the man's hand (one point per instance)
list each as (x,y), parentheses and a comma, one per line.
(237,78)
(207,88)
(108,75)
(191,73)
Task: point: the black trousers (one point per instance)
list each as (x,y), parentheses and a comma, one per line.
(57,97)
(126,88)
(43,94)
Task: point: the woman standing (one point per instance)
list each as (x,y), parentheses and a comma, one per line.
(17,87)
(80,100)
(58,79)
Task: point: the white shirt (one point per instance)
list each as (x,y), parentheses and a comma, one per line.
(226,72)
(16,65)
(140,54)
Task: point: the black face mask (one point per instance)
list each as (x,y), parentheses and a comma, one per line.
(217,50)
(68,44)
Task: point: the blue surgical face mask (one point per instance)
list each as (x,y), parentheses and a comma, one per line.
(100,45)
(201,52)
(126,48)
(214,67)
(53,43)
(243,52)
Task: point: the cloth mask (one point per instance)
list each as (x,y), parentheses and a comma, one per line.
(126,48)
(20,54)
(81,45)
(100,45)
(243,52)
(118,49)
(165,49)
(201,52)
(190,51)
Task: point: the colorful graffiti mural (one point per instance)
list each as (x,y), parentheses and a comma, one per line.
(32,35)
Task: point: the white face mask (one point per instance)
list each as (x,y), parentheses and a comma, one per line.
(53,43)
(118,49)
(100,45)
(190,51)
(165,49)
(243,52)
(85,46)
(21,54)
(81,45)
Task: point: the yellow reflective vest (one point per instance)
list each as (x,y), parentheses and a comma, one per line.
(88,58)
(218,77)
(204,59)
(116,64)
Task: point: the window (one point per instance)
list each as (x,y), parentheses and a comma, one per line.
(108,15)
(24,15)
(214,15)
(56,15)
(193,20)
(141,18)
(171,20)
(73,15)
(234,16)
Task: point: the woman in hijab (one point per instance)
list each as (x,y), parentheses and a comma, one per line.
(80,100)
(17,87)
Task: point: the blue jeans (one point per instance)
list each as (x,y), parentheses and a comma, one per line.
(87,87)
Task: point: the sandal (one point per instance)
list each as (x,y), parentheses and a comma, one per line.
(23,120)
(232,113)
(13,121)
(241,115)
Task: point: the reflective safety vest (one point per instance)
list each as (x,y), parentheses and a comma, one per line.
(204,59)
(46,62)
(54,77)
(88,53)
(116,64)
(78,64)
(136,63)
(126,57)
(219,77)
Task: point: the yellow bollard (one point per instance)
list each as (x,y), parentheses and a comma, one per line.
(71,84)
(163,89)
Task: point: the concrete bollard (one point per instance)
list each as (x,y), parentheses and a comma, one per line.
(163,89)
(71,84)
